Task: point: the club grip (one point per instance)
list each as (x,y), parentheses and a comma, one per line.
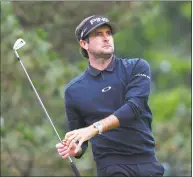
(75,170)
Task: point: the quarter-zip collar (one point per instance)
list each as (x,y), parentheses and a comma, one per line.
(95,72)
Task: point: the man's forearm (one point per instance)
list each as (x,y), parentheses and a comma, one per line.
(108,123)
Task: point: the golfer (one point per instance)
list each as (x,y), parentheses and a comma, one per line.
(108,105)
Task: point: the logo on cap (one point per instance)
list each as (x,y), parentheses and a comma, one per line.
(98,19)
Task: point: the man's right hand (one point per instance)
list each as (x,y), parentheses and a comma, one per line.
(63,151)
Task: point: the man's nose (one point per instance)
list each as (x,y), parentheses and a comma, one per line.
(106,37)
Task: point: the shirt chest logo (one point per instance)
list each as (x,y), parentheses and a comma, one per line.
(106,89)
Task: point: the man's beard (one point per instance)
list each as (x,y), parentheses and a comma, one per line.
(103,55)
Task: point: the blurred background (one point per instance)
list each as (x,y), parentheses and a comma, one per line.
(159,32)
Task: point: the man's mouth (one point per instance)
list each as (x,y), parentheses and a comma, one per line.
(106,46)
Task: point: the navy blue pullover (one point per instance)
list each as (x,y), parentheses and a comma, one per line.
(122,89)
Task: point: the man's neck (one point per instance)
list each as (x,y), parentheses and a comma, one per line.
(100,63)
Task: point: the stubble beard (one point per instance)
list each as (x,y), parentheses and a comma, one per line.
(102,55)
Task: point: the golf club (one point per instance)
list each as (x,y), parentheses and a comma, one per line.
(18,44)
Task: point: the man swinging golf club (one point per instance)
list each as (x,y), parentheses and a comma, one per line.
(108,105)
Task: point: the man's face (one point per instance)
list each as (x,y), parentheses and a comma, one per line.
(100,42)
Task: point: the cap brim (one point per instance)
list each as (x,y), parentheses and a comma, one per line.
(113,27)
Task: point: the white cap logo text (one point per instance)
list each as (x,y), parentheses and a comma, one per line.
(98,19)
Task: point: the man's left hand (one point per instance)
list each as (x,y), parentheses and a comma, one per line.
(79,136)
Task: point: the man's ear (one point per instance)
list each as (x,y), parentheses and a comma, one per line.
(83,44)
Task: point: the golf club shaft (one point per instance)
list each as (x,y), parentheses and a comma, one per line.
(75,170)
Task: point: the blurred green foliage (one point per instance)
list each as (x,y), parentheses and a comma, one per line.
(159,32)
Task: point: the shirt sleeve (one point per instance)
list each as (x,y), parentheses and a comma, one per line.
(137,92)
(74,120)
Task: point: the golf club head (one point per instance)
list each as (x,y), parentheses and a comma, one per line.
(18,44)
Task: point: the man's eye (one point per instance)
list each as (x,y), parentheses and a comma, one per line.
(98,33)
(109,33)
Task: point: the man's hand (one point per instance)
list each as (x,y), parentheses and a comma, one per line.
(79,136)
(63,150)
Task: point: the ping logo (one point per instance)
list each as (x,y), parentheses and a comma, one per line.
(106,89)
(98,19)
